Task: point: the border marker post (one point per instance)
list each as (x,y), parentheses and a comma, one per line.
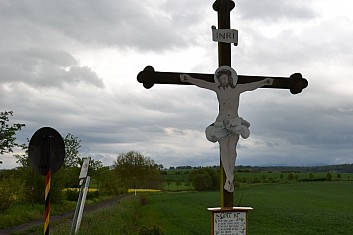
(84,183)
(46,152)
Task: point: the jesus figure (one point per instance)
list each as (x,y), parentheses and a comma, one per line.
(228,125)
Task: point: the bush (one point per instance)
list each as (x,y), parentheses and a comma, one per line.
(143,200)
(71,194)
(313,180)
(204,179)
(202,182)
(92,195)
(35,186)
(11,190)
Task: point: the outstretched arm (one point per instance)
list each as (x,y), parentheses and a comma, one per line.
(254,85)
(197,82)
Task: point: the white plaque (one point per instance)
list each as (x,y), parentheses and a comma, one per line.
(84,169)
(229,223)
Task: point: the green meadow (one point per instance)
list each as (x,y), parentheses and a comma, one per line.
(284,202)
(296,208)
(300,208)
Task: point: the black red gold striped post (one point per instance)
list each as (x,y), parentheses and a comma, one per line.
(47,203)
(48,151)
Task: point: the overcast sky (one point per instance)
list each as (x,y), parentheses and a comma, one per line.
(72,65)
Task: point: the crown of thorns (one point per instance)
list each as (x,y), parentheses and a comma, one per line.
(223,71)
(229,71)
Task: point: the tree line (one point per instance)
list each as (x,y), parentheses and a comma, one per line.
(130,170)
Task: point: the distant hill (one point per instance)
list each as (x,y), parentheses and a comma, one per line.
(342,168)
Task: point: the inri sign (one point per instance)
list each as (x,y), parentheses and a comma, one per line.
(225,35)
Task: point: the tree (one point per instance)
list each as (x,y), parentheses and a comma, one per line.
(178,183)
(72,155)
(137,171)
(209,179)
(202,182)
(8,133)
(73,161)
(329,176)
(311,175)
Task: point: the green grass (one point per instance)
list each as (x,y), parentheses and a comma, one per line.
(173,187)
(295,208)
(303,208)
(21,213)
(323,208)
(179,213)
(24,212)
(119,219)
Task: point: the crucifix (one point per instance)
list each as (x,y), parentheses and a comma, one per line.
(228,86)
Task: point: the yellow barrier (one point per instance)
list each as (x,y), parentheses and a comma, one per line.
(142,190)
(78,189)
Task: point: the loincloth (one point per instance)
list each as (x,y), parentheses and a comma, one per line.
(220,130)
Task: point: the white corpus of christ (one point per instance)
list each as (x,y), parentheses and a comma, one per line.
(228,126)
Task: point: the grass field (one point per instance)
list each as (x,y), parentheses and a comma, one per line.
(281,206)
(301,208)
(118,219)
(323,208)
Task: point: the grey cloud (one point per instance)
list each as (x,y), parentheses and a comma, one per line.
(113,23)
(271,10)
(41,46)
(45,67)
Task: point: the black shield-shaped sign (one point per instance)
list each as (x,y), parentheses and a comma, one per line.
(46,150)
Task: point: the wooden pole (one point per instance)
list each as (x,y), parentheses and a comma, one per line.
(223,7)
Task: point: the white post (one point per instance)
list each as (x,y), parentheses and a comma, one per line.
(84,179)
(80,213)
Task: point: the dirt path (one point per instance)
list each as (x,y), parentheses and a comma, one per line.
(67,215)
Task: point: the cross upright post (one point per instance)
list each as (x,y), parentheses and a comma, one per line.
(223,7)
(227,93)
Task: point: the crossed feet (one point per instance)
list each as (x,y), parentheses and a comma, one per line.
(229,186)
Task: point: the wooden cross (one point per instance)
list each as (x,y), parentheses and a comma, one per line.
(295,83)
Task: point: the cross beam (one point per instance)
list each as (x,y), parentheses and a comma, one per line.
(148,77)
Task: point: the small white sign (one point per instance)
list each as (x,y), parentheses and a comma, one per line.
(84,169)
(225,35)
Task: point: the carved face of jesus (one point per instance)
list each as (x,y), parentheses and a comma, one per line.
(225,76)
(225,81)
